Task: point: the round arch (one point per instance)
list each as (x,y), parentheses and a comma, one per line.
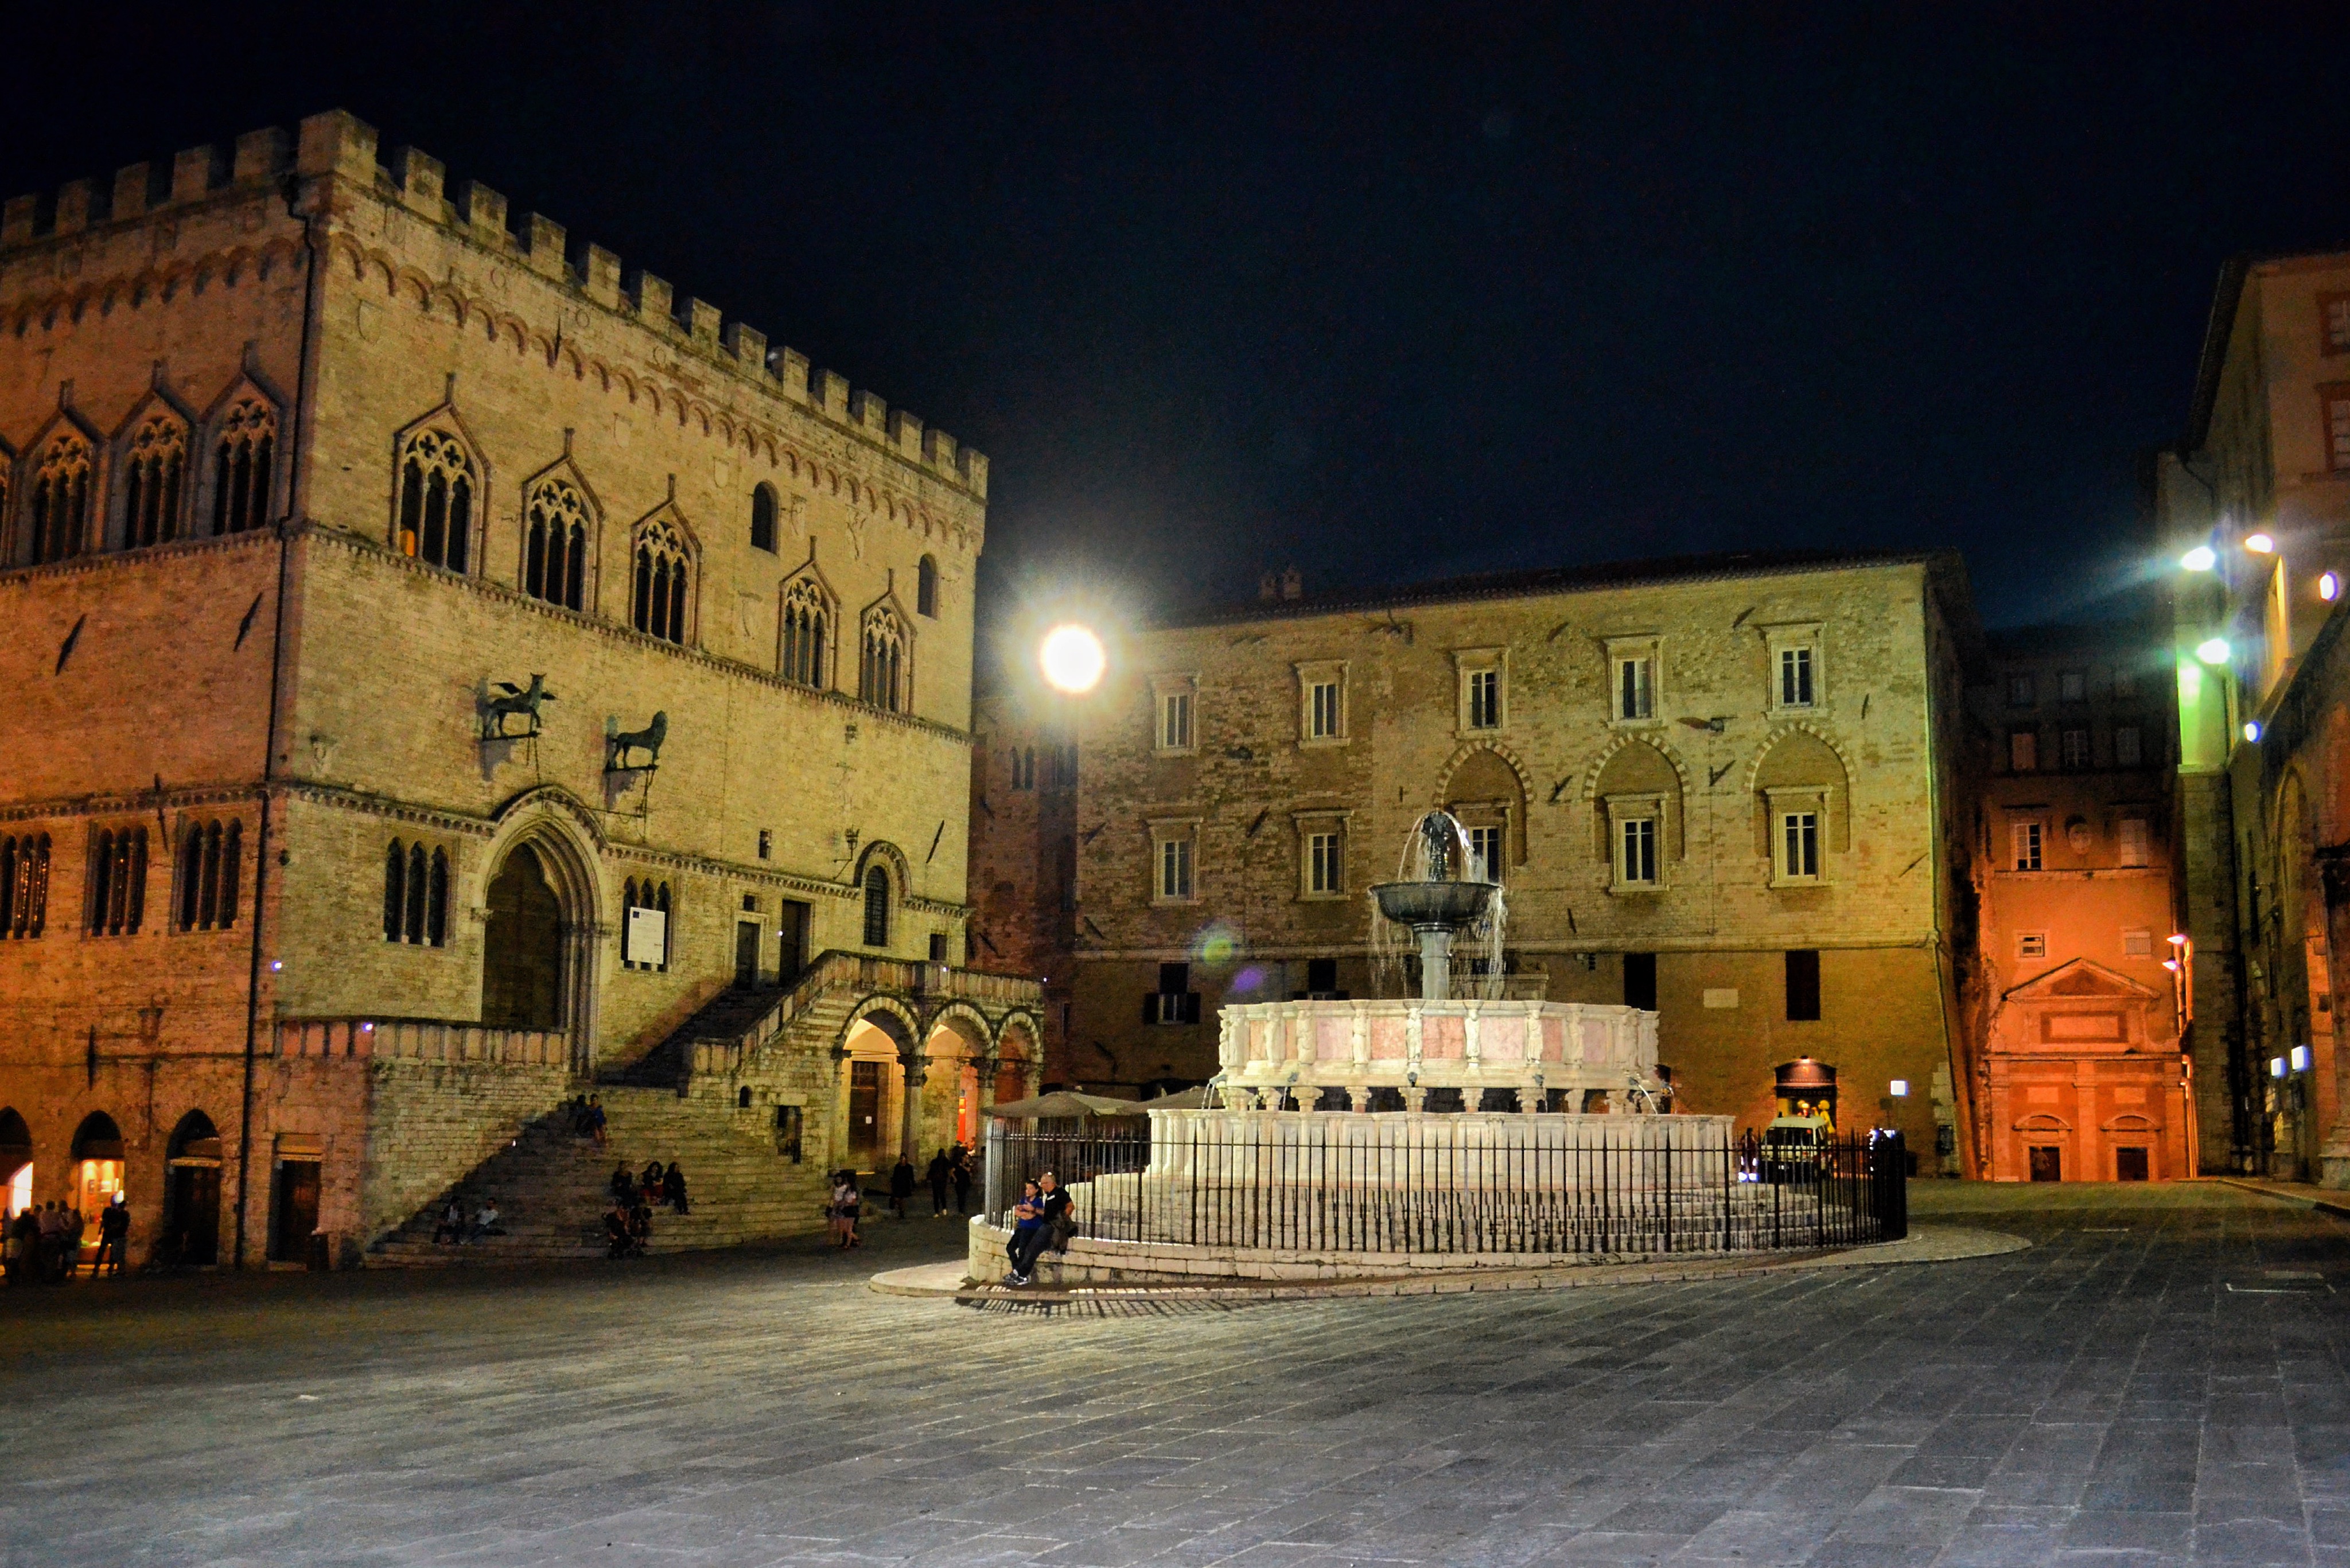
(95,1172)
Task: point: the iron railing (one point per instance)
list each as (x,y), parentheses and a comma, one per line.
(1379,1184)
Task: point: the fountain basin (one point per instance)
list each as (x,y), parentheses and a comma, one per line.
(1272,1054)
(1438,906)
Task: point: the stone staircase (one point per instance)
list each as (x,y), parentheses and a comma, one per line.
(728,1015)
(550,1186)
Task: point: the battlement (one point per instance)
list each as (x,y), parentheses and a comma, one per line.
(339,146)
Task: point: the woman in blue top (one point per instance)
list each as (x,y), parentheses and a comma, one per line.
(1027,1219)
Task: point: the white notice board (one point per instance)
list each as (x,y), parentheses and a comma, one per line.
(647,939)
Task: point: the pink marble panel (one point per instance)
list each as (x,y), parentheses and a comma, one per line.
(1388,1040)
(1502,1039)
(1334,1039)
(1554,1039)
(1441,1040)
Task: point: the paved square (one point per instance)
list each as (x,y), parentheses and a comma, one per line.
(2161,1379)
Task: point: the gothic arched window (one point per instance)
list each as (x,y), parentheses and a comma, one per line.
(395,891)
(209,858)
(415,894)
(762,518)
(926,587)
(657,604)
(118,881)
(23,886)
(437,483)
(806,631)
(154,465)
(883,678)
(60,501)
(876,907)
(556,565)
(242,466)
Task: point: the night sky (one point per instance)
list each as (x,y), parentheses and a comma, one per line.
(1387,293)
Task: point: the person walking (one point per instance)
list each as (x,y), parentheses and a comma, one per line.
(902,1185)
(959,1168)
(937,1176)
(113,1232)
(845,1205)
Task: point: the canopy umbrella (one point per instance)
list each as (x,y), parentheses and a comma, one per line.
(1191,1100)
(1064,1105)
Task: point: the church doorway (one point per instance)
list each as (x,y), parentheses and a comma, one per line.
(191,1194)
(522,947)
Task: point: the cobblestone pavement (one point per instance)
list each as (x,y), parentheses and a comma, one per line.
(2161,1379)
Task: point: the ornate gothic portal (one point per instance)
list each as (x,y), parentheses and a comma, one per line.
(521,947)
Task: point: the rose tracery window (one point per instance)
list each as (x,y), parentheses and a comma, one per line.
(883,676)
(437,484)
(806,632)
(556,566)
(60,500)
(241,464)
(154,467)
(657,604)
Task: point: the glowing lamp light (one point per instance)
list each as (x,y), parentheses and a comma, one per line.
(2260,543)
(2253,731)
(2201,558)
(277,964)
(2179,939)
(1900,1089)
(2212,650)
(2329,586)
(1073,659)
(2300,1058)
(2171,964)
(2276,1066)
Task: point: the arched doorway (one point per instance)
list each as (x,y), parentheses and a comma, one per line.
(875,1106)
(192,1171)
(16,1163)
(97,1169)
(522,947)
(958,1043)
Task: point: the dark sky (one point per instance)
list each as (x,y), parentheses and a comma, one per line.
(1389,293)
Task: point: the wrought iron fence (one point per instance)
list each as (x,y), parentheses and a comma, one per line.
(1466,1184)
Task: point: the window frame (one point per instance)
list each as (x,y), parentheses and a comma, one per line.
(1784,642)
(2333,443)
(2029,736)
(1314,676)
(1623,812)
(441,427)
(1646,650)
(2140,827)
(1468,664)
(1167,692)
(2027,840)
(1309,827)
(1174,841)
(2329,302)
(2067,752)
(1786,802)
(2137,747)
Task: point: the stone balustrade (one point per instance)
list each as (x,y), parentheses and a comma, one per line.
(423,1040)
(1273,1050)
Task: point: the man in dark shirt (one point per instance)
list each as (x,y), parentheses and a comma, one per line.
(937,1176)
(113,1230)
(902,1185)
(1052,1228)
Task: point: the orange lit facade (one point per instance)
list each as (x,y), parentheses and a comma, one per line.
(2082,1077)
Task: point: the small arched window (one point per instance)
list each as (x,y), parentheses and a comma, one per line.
(762,518)
(926,587)
(60,501)
(209,856)
(883,679)
(876,907)
(658,600)
(437,484)
(806,632)
(243,463)
(118,881)
(554,562)
(23,886)
(154,466)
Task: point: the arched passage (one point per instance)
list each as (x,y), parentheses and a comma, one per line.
(522,947)
(873,1090)
(192,1188)
(16,1163)
(96,1174)
(960,1040)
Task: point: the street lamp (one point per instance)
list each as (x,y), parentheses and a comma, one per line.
(2201,558)
(2212,650)
(1072,658)
(2260,543)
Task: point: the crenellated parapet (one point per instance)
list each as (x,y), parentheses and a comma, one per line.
(335,151)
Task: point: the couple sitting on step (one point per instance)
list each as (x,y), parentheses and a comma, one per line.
(658,1184)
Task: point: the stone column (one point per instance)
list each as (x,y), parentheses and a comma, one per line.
(987,1066)
(913,1064)
(836,1137)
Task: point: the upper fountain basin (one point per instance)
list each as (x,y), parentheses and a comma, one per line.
(1433,906)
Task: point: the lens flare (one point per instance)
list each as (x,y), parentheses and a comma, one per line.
(1217,943)
(1073,659)
(2201,558)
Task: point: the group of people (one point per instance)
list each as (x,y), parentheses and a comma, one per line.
(587,1114)
(456,1228)
(44,1241)
(628,1223)
(947,1168)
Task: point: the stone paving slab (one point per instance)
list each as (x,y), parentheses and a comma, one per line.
(2102,1397)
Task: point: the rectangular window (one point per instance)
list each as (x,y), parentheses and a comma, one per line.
(2075,743)
(2024,839)
(1485,699)
(2020,691)
(2073,686)
(1485,844)
(1326,871)
(2333,322)
(1636,861)
(2129,750)
(2022,750)
(1175,868)
(1636,687)
(2137,944)
(1794,678)
(1799,839)
(1322,976)
(1803,986)
(1322,710)
(1175,721)
(1640,980)
(1174,1002)
(2135,842)
(2335,402)
(2031,944)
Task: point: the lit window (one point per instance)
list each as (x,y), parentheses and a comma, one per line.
(2077,748)
(1799,845)
(2136,840)
(1636,687)
(2022,750)
(1636,861)
(2024,837)
(1794,678)
(2031,944)
(2129,746)
(1326,868)
(1175,721)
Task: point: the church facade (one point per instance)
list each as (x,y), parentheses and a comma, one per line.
(451,675)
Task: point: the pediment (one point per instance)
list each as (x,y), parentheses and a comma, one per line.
(2080,980)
